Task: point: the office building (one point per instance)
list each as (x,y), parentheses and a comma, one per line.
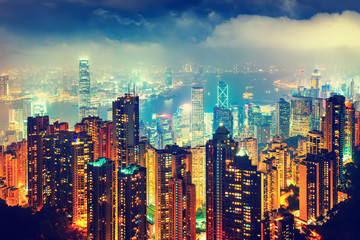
(4,85)
(222,95)
(223,117)
(300,116)
(314,143)
(282,118)
(84,88)
(199,175)
(197,116)
(165,129)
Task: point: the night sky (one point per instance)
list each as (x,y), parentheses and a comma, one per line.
(172,31)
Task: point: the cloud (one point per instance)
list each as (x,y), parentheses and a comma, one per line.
(138,20)
(326,32)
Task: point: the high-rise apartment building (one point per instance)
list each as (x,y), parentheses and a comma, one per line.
(197,116)
(314,143)
(233,187)
(317,191)
(126,129)
(84,88)
(282,118)
(36,130)
(101,194)
(171,162)
(83,153)
(132,203)
(334,132)
(349,132)
(199,174)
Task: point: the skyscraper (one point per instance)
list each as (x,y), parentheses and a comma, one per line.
(316,188)
(222,95)
(199,174)
(4,85)
(84,88)
(83,153)
(334,131)
(197,116)
(36,130)
(168,78)
(233,187)
(126,129)
(314,143)
(171,162)
(315,79)
(282,118)
(132,203)
(251,147)
(300,116)
(223,117)
(101,220)
(349,132)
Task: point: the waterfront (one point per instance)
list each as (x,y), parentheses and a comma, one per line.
(259,84)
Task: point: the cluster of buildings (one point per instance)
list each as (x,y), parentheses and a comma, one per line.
(119,180)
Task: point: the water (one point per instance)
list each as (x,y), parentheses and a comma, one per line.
(260,84)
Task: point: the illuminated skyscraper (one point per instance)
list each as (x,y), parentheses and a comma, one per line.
(36,130)
(271,187)
(233,187)
(82,150)
(282,118)
(132,203)
(171,161)
(197,116)
(183,125)
(84,88)
(235,111)
(168,78)
(223,117)
(199,174)
(126,129)
(251,147)
(165,127)
(349,132)
(300,116)
(315,83)
(334,131)
(4,85)
(317,189)
(209,122)
(101,220)
(222,95)
(279,151)
(317,114)
(314,143)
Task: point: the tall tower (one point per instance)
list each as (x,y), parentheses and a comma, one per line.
(315,79)
(197,117)
(334,131)
(126,129)
(172,162)
(4,85)
(222,95)
(82,150)
(84,88)
(349,132)
(36,130)
(101,221)
(168,78)
(132,203)
(282,118)
(219,149)
(234,189)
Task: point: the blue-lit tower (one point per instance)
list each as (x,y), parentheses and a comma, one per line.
(84,88)
(222,95)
